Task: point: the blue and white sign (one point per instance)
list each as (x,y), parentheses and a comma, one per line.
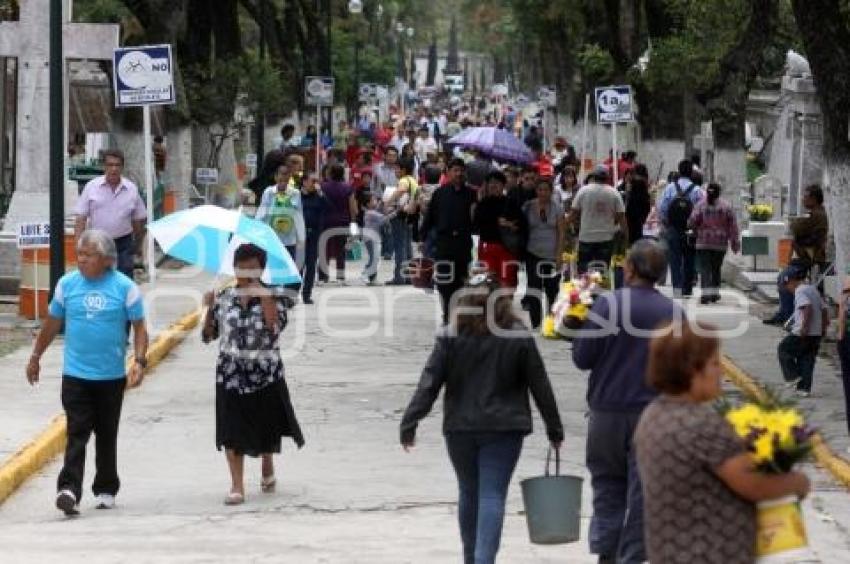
(34,235)
(614,104)
(143,76)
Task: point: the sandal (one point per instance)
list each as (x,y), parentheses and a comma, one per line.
(267,485)
(234,498)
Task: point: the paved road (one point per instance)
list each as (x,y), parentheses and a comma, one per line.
(351,495)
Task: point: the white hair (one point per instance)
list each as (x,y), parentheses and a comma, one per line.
(103,243)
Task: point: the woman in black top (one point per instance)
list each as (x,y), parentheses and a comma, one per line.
(500,225)
(486,413)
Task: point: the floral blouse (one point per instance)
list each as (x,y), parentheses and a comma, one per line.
(249,357)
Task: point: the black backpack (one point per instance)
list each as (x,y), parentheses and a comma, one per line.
(680,208)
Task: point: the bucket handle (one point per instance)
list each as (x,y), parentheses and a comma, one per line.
(557,461)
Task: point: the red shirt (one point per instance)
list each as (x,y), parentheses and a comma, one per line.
(543,166)
(357,175)
(351,154)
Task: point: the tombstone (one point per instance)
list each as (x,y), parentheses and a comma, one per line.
(796,155)
(769,190)
(27,40)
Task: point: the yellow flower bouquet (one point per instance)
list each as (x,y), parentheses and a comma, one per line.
(760,212)
(777,438)
(573,305)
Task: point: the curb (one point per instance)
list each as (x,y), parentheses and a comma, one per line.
(838,466)
(34,455)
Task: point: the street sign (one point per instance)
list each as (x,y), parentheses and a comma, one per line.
(547,96)
(319,91)
(206,175)
(34,235)
(614,104)
(367,92)
(522,101)
(143,76)
(251,159)
(499,90)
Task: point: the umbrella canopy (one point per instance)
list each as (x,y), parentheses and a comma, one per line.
(207,236)
(497,143)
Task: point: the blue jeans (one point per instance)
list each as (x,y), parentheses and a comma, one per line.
(401,246)
(797,357)
(484,464)
(371,268)
(786,299)
(681,258)
(386,241)
(616,529)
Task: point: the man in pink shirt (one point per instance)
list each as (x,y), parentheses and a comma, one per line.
(112,204)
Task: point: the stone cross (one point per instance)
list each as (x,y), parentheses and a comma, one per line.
(28,40)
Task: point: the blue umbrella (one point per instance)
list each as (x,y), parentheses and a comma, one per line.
(206,236)
(496,143)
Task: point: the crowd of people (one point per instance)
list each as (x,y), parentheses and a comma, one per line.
(653,443)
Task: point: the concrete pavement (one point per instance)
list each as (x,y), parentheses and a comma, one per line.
(352,494)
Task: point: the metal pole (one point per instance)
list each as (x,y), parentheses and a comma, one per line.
(584,137)
(149,180)
(356,79)
(261,116)
(615,160)
(318,141)
(57,164)
(800,167)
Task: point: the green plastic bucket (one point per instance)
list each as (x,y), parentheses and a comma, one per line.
(553,505)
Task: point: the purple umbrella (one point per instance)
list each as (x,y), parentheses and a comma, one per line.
(496,143)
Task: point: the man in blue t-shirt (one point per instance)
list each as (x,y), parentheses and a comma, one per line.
(95,303)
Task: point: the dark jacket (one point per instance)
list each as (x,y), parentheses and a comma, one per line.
(314,207)
(617,355)
(487,381)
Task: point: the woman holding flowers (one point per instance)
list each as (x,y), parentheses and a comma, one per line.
(700,483)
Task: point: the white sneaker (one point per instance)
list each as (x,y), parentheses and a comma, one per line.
(105,501)
(66,502)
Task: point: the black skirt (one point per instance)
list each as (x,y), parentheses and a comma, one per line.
(253,424)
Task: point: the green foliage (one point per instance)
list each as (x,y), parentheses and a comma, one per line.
(247,80)
(596,64)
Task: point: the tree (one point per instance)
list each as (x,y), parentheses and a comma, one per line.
(431,75)
(453,60)
(825,29)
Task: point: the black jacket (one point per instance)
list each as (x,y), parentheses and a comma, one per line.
(487,381)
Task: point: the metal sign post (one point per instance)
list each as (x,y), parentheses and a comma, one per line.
(319,91)
(206,177)
(143,76)
(613,106)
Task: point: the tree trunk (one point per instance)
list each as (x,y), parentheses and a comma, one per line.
(826,37)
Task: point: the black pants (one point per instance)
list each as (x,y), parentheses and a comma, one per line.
(125,248)
(543,278)
(451,268)
(594,252)
(91,405)
(311,257)
(844,355)
(710,264)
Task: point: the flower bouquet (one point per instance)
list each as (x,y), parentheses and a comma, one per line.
(760,212)
(777,437)
(573,304)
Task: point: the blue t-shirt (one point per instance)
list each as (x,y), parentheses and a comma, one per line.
(96,313)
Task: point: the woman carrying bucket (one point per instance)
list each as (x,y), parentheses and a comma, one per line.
(699,484)
(488,363)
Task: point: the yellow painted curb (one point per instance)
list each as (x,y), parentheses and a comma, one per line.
(838,466)
(29,460)
(33,456)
